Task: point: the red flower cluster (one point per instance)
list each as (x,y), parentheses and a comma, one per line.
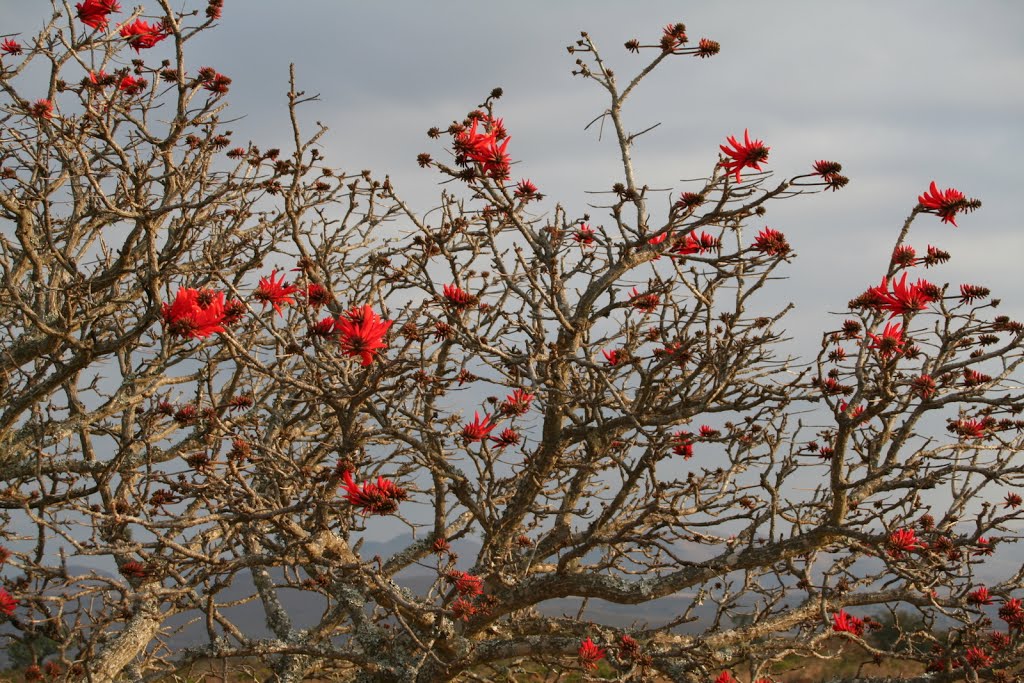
(275,292)
(590,654)
(93,13)
(485,149)
(508,437)
(903,299)
(130,85)
(829,172)
(516,403)
(195,313)
(458,298)
(41,109)
(1012,612)
(979,597)
(847,623)
(7,603)
(683,444)
(725,677)
(695,244)
(889,343)
(466,584)
(613,357)
(142,35)
(903,541)
(362,333)
(771,242)
(748,154)
(478,429)
(584,235)
(380,498)
(944,203)
(10,47)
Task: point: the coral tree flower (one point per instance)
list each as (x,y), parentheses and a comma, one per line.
(484,148)
(94,13)
(458,298)
(275,292)
(903,299)
(695,244)
(590,654)
(748,154)
(771,242)
(194,313)
(725,677)
(7,603)
(903,541)
(380,498)
(142,35)
(890,342)
(478,429)
(517,403)
(10,47)
(466,584)
(944,203)
(362,333)
(847,623)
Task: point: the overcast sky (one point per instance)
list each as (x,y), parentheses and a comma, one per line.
(900,93)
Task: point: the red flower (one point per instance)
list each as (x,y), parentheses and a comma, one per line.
(904,255)
(683,444)
(945,203)
(847,623)
(890,342)
(613,357)
(1012,501)
(130,85)
(93,13)
(584,235)
(673,36)
(458,298)
(643,302)
(466,584)
(362,333)
(508,437)
(725,677)
(42,109)
(1012,612)
(214,8)
(10,47)
(381,498)
(134,569)
(903,541)
(694,244)
(526,190)
(484,149)
(707,48)
(7,603)
(973,429)
(142,35)
(968,293)
(274,292)
(924,386)
(903,299)
(979,597)
(463,609)
(478,429)
(772,242)
(688,201)
(978,658)
(748,154)
(589,654)
(317,295)
(516,403)
(194,313)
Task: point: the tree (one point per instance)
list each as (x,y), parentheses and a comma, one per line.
(223,366)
